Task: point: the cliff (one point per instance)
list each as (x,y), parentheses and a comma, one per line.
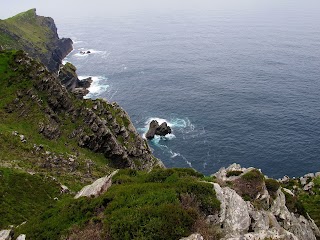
(37,106)
(37,36)
(73,168)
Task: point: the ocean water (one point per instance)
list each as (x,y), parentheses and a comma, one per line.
(235,86)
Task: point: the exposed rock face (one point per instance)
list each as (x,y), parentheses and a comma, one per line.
(21,237)
(255,220)
(70,80)
(95,189)
(101,126)
(6,234)
(155,129)
(48,48)
(234,212)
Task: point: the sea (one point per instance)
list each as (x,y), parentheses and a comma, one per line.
(234,86)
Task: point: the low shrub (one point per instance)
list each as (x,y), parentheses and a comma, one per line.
(234,173)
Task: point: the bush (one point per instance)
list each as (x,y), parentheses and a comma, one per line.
(234,173)
(253,175)
(272,186)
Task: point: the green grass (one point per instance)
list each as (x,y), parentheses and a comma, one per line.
(311,202)
(31,31)
(23,195)
(162,204)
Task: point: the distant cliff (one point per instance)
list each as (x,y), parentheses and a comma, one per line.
(37,36)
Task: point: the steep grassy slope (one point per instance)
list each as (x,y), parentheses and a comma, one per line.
(36,35)
(52,131)
(23,195)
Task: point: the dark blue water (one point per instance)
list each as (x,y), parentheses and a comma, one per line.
(235,86)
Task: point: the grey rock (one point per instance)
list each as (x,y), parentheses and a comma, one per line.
(308,187)
(195,236)
(309,175)
(21,237)
(23,138)
(98,187)
(303,181)
(234,212)
(6,234)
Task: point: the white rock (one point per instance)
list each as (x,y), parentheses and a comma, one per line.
(195,236)
(234,211)
(98,187)
(288,191)
(5,234)
(308,187)
(309,175)
(21,237)
(317,174)
(303,181)
(64,189)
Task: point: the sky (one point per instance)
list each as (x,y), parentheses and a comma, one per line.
(59,9)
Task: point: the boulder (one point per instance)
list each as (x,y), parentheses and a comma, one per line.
(21,237)
(96,188)
(6,234)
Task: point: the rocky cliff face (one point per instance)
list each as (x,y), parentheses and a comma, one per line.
(37,36)
(98,125)
(262,215)
(69,78)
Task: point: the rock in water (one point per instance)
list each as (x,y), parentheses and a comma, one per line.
(155,129)
(152,129)
(163,129)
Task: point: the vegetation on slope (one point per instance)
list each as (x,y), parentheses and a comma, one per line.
(304,202)
(162,204)
(23,195)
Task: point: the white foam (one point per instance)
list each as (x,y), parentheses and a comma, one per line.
(96,88)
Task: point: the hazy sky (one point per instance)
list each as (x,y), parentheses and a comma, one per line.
(61,8)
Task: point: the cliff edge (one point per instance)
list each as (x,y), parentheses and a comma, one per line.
(36,35)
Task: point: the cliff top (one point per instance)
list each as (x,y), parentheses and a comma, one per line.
(37,35)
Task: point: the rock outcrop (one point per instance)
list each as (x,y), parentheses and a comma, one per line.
(41,42)
(260,217)
(97,188)
(101,126)
(70,80)
(6,234)
(156,129)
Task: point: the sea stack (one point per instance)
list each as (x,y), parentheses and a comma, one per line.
(156,129)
